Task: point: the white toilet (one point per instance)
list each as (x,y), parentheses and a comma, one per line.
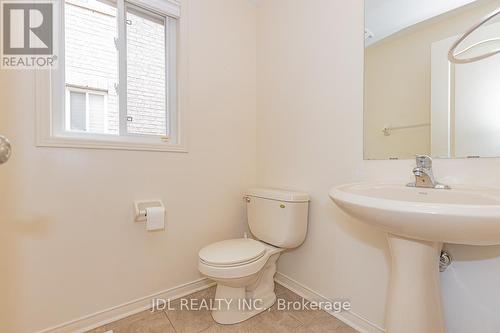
(244,268)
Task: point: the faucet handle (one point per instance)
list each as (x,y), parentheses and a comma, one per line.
(424,161)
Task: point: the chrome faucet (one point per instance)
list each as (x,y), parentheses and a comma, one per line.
(423,174)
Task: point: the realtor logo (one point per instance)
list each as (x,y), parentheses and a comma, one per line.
(27,34)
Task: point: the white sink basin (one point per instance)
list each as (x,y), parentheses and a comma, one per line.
(463,215)
(418,221)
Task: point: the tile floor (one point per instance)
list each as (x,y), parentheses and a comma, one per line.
(273,321)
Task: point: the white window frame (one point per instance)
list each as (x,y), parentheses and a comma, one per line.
(87,91)
(51,106)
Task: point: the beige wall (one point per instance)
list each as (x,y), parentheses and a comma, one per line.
(310,56)
(397,93)
(68,246)
(68,243)
(398,83)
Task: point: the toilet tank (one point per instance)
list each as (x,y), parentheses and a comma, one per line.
(278,217)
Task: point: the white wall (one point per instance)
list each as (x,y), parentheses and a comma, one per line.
(310,59)
(68,243)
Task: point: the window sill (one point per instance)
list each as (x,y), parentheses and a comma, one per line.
(120,143)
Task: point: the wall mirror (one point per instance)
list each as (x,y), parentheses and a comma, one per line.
(417,101)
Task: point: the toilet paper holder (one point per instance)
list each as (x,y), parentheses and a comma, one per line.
(140,208)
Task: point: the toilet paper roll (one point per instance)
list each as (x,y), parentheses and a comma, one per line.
(155,218)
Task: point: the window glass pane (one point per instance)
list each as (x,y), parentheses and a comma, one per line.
(78,117)
(97,115)
(91,57)
(146,96)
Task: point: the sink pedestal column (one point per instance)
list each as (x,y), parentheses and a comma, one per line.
(414,300)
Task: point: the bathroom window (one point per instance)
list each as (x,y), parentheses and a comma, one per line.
(147,112)
(116,83)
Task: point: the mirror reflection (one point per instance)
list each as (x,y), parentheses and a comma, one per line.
(432,79)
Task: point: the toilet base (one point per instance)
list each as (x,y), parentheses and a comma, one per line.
(256,294)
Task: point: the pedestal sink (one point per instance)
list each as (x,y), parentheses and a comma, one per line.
(418,221)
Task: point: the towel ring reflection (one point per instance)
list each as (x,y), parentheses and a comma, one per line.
(451,53)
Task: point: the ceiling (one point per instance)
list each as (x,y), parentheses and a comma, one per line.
(386,17)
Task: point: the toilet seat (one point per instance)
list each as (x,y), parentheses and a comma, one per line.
(234,258)
(232,252)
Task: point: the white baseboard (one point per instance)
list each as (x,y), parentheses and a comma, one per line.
(118,312)
(350,318)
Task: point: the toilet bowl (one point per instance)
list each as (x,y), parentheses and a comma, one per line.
(244,271)
(244,268)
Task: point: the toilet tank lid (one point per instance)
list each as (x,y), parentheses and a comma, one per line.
(279,195)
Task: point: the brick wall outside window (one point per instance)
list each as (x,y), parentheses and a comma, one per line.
(92,61)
